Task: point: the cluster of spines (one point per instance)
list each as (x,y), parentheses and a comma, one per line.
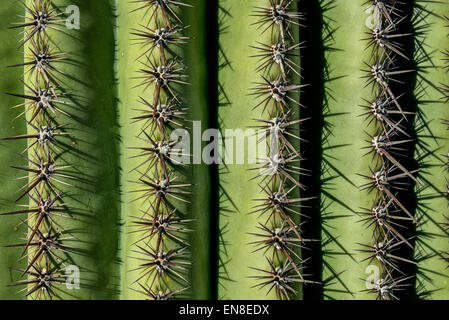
(390,176)
(279,237)
(45,246)
(161,246)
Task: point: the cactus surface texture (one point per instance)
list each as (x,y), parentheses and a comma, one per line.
(224,150)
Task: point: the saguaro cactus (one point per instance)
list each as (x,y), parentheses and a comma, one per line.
(261,201)
(229,149)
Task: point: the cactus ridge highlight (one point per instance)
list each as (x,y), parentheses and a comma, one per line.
(48,246)
(162,248)
(389,215)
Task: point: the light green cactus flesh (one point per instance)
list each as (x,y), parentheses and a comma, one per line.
(192,54)
(432,245)
(241,188)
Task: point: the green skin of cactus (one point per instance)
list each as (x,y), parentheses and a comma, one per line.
(343,270)
(91,149)
(238,189)
(432,245)
(194,97)
(9,227)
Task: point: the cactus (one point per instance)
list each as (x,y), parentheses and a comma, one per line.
(263,149)
(263,208)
